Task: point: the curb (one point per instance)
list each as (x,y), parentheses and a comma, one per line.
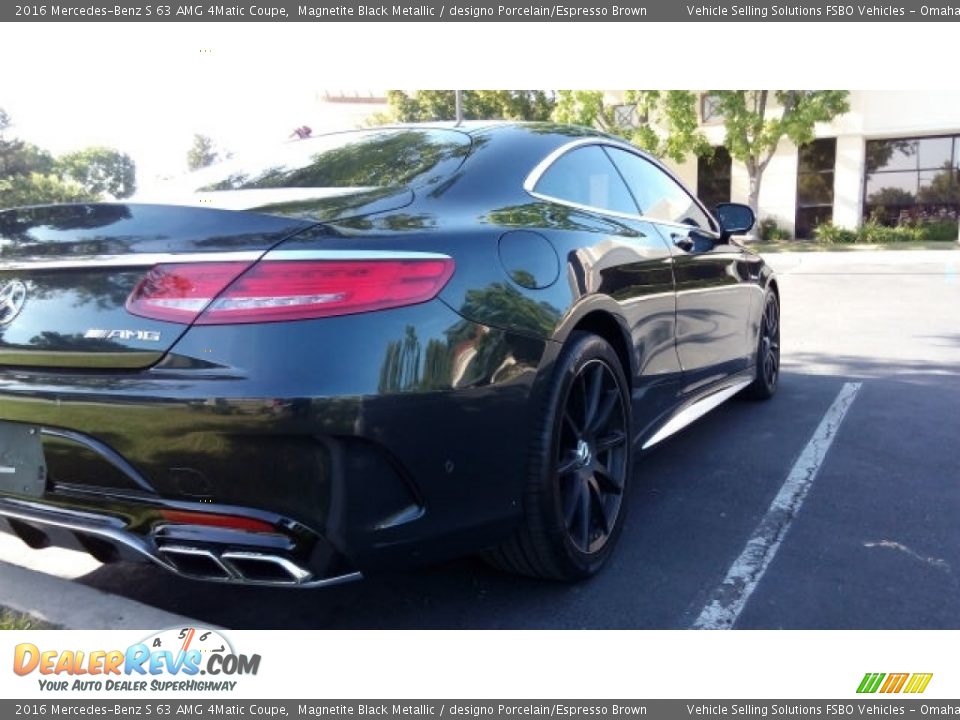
(73,606)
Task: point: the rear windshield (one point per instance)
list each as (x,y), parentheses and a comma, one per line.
(361,159)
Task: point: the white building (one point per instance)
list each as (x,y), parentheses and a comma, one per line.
(344,109)
(895,153)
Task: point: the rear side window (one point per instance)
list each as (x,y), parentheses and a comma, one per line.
(659,196)
(586,176)
(362,159)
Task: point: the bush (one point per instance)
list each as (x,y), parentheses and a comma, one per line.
(940,231)
(834,234)
(770,231)
(874,232)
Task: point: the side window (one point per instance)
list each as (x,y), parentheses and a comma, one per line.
(586,176)
(659,196)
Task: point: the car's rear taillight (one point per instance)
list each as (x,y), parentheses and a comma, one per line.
(273,290)
(179,293)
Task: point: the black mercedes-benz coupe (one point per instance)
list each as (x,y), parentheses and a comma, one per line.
(366,349)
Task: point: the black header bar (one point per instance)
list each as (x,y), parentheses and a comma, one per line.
(307,11)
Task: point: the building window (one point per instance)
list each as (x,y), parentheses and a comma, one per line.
(628,116)
(710,108)
(912,179)
(713,178)
(817,161)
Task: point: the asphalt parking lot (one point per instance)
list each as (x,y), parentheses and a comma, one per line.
(875,543)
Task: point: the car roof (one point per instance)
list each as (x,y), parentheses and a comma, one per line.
(473,127)
(517,155)
(562,133)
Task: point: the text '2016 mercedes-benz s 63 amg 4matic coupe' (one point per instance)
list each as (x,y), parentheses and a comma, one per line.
(366,349)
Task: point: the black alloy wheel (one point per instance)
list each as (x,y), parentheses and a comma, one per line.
(768,352)
(575,501)
(592,456)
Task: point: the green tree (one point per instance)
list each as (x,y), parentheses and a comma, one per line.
(583,107)
(201,153)
(31,176)
(431,105)
(755,124)
(40,189)
(18,157)
(100,170)
(666,121)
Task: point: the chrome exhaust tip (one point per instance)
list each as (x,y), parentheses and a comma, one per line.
(261,567)
(195,562)
(241,566)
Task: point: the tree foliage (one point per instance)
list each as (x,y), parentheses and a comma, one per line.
(18,157)
(41,189)
(100,170)
(201,153)
(432,105)
(21,158)
(30,175)
(757,120)
(666,124)
(583,107)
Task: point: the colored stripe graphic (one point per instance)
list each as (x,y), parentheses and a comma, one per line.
(918,683)
(870,682)
(894,682)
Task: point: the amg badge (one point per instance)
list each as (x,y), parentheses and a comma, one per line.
(98,334)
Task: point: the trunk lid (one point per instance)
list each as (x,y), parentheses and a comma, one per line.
(66,272)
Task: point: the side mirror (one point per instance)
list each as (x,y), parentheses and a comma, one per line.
(735,219)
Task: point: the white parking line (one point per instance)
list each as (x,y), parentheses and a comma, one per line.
(728,600)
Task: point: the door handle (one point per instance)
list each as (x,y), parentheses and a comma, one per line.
(682,241)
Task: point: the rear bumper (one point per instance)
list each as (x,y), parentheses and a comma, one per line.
(362,442)
(196,552)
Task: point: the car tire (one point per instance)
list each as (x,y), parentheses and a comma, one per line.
(579,469)
(765,383)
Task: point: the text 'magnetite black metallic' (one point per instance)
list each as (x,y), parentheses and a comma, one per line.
(366,349)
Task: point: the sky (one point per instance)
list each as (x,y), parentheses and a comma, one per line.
(149,98)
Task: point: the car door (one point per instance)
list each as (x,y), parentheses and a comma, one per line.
(623,257)
(712,276)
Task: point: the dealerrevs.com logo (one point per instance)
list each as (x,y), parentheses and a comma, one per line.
(894,682)
(178,659)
